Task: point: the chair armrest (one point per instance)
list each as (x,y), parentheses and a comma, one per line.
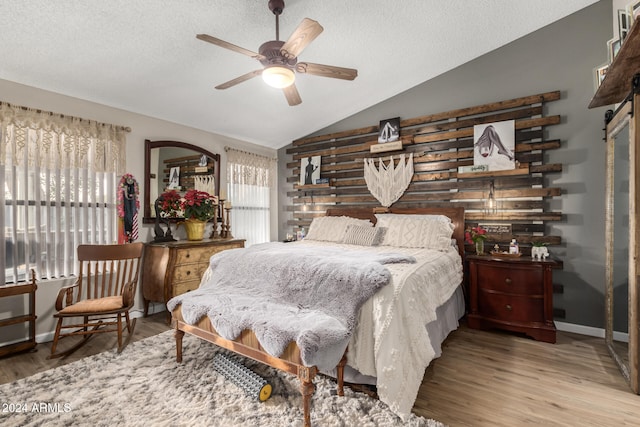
(65,296)
(128,294)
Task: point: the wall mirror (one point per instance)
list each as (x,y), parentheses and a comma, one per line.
(621,291)
(175,164)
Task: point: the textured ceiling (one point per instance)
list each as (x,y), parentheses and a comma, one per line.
(142,55)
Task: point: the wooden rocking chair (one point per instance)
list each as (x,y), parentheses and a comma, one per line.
(103,293)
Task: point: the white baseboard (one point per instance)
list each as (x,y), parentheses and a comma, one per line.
(135,314)
(590,331)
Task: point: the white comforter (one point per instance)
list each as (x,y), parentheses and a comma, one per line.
(391,342)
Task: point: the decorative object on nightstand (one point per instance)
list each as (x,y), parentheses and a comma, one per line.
(512,293)
(477,236)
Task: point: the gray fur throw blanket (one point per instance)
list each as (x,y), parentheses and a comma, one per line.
(286,292)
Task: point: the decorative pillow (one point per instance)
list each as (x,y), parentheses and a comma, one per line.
(363,235)
(333,228)
(416,231)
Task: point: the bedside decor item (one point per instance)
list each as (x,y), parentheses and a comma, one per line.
(387,183)
(477,236)
(539,251)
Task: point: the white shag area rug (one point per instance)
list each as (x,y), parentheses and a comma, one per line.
(145,386)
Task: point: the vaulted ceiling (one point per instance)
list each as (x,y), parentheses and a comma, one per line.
(143,56)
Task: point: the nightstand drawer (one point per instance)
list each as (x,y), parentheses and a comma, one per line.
(513,308)
(523,281)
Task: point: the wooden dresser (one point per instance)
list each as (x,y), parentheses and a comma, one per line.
(514,294)
(173,268)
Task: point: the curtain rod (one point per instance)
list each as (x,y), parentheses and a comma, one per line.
(124,128)
(227,148)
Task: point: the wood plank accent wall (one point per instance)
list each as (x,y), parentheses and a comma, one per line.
(440,144)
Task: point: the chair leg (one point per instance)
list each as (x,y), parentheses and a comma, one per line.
(131,326)
(119,332)
(56,337)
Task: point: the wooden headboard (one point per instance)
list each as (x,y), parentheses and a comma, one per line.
(455,213)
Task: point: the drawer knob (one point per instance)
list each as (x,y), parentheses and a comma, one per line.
(188,272)
(508,307)
(507,281)
(187,255)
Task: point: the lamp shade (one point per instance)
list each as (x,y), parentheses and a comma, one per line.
(278,76)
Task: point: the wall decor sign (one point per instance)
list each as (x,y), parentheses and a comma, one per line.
(496,228)
(310,170)
(494,144)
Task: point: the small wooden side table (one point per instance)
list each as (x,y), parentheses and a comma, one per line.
(14,290)
(514,294)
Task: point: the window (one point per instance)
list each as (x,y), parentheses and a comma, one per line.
(250,178)
(59,178)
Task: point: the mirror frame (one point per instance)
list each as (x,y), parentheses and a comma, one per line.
(148,146)
(622,118)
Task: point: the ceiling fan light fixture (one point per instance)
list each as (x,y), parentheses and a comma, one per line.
(278,76)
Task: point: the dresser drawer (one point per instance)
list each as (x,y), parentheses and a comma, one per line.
(195,255)
(516,308)
(187,272)
(186,286)
(523,281)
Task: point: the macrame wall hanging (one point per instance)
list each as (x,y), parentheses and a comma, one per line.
(206,183)
(387,183)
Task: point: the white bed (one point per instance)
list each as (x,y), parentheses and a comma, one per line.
(400,329)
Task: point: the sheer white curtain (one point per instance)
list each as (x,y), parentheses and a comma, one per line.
(250,178)
(59,176)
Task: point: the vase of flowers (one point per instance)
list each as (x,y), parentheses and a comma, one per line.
(477,236)
(198,207)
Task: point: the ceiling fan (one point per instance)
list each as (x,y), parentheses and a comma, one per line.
(280,59)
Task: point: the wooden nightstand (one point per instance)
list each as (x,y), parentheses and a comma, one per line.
(514,294)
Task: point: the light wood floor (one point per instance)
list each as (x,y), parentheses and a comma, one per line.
(482,379)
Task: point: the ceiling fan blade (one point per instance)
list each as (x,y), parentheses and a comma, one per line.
(227,45)
(240,79)
(306,32)
(326,71)
(292,95)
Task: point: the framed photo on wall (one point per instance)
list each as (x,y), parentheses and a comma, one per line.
(174,178)
(310,170)
(389,130)
(599,74)
(494,145)
(624,24)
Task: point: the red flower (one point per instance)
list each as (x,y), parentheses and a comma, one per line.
(170,203)
(199,205)
(475,234)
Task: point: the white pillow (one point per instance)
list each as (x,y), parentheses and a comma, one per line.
(363,235)
(416,231)
(333,228)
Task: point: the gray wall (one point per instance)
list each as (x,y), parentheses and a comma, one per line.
(562,57)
